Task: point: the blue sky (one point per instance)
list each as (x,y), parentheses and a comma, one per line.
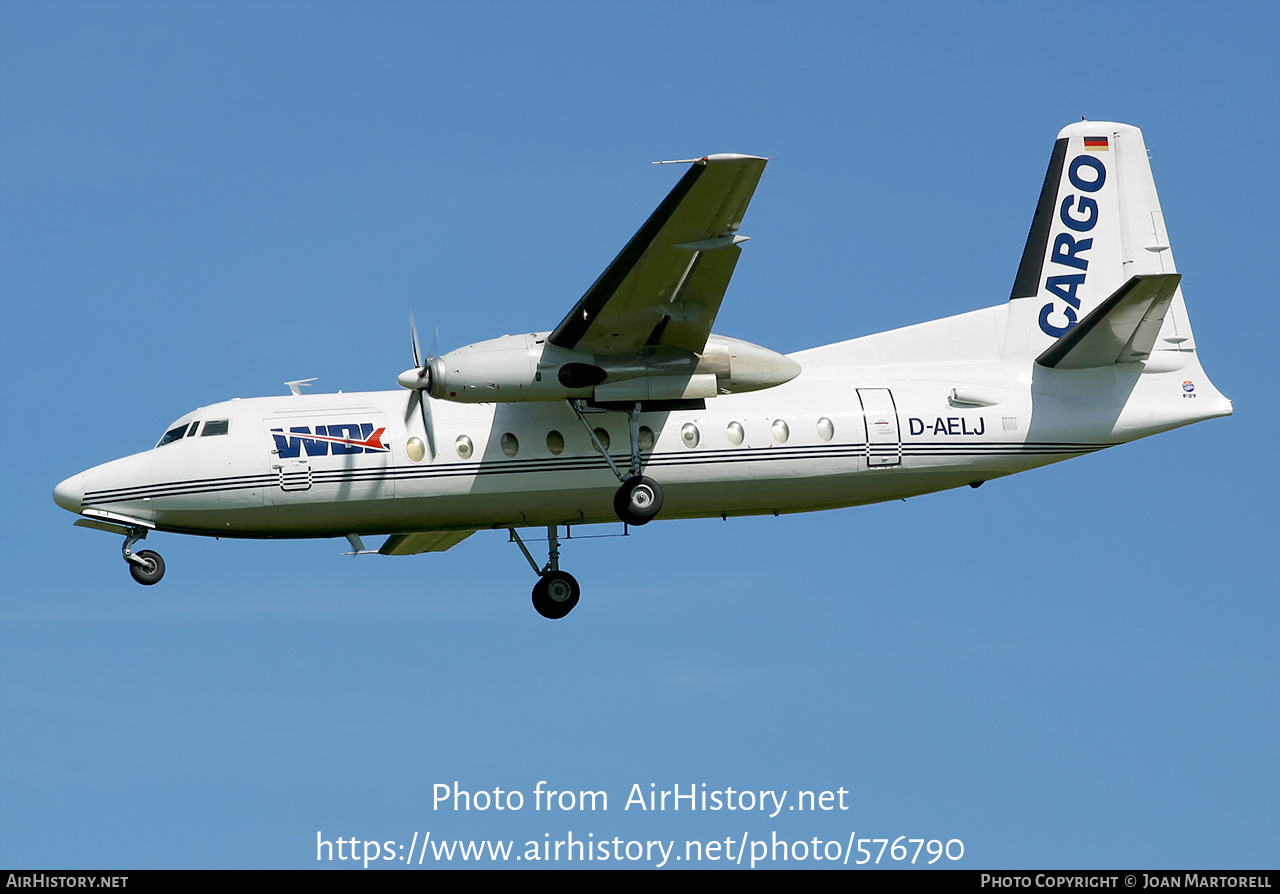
(1075,667)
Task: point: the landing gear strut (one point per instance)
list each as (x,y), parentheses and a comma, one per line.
(556,592)
(146,566)
(639,500)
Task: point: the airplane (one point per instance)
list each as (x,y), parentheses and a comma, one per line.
(631,408)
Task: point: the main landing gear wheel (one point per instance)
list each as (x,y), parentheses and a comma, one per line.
(638,500)
(151,569)
(555,594)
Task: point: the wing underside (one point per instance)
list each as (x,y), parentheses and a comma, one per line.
(666,285)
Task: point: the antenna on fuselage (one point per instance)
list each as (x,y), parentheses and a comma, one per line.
(295,387)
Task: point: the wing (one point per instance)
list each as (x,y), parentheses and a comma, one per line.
(666,286)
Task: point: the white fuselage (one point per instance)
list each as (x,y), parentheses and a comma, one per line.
(907,412)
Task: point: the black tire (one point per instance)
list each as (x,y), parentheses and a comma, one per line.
(151,571)
(555,594)
(638,501)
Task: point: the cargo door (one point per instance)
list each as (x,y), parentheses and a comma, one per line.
(884,440)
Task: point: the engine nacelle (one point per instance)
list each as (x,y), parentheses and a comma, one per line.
(527,367)
(498,370)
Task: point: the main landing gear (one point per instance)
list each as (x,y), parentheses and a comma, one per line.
(639,500)
(556,592)
(146,566)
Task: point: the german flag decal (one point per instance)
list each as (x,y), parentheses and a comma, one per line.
(1096,144)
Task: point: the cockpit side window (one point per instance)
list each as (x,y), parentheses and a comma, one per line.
(215,427)
(173,434)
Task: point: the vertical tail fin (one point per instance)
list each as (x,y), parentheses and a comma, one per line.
(1097,224)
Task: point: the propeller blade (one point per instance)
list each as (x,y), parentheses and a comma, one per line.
(417,351)
(426,424)
(425,411)
(415,394)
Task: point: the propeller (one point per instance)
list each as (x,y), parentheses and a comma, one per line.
(418,380)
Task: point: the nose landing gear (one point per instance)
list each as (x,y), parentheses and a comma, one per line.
(146,566)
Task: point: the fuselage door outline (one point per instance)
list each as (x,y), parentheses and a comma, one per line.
(884,440)
(344,460)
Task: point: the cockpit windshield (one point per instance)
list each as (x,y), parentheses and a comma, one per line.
(175,433)
(191,429)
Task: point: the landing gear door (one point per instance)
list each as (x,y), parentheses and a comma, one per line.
(884,440)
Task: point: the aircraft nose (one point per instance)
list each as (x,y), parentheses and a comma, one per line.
(70,493)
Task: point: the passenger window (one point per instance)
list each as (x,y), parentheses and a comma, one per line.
(690,435)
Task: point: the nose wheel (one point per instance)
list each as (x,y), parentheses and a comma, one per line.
(150,568)
(146,566)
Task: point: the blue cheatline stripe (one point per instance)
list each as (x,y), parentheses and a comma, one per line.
(591,463)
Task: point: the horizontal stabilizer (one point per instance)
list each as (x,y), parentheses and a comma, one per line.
(422,542)
(1122,329)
